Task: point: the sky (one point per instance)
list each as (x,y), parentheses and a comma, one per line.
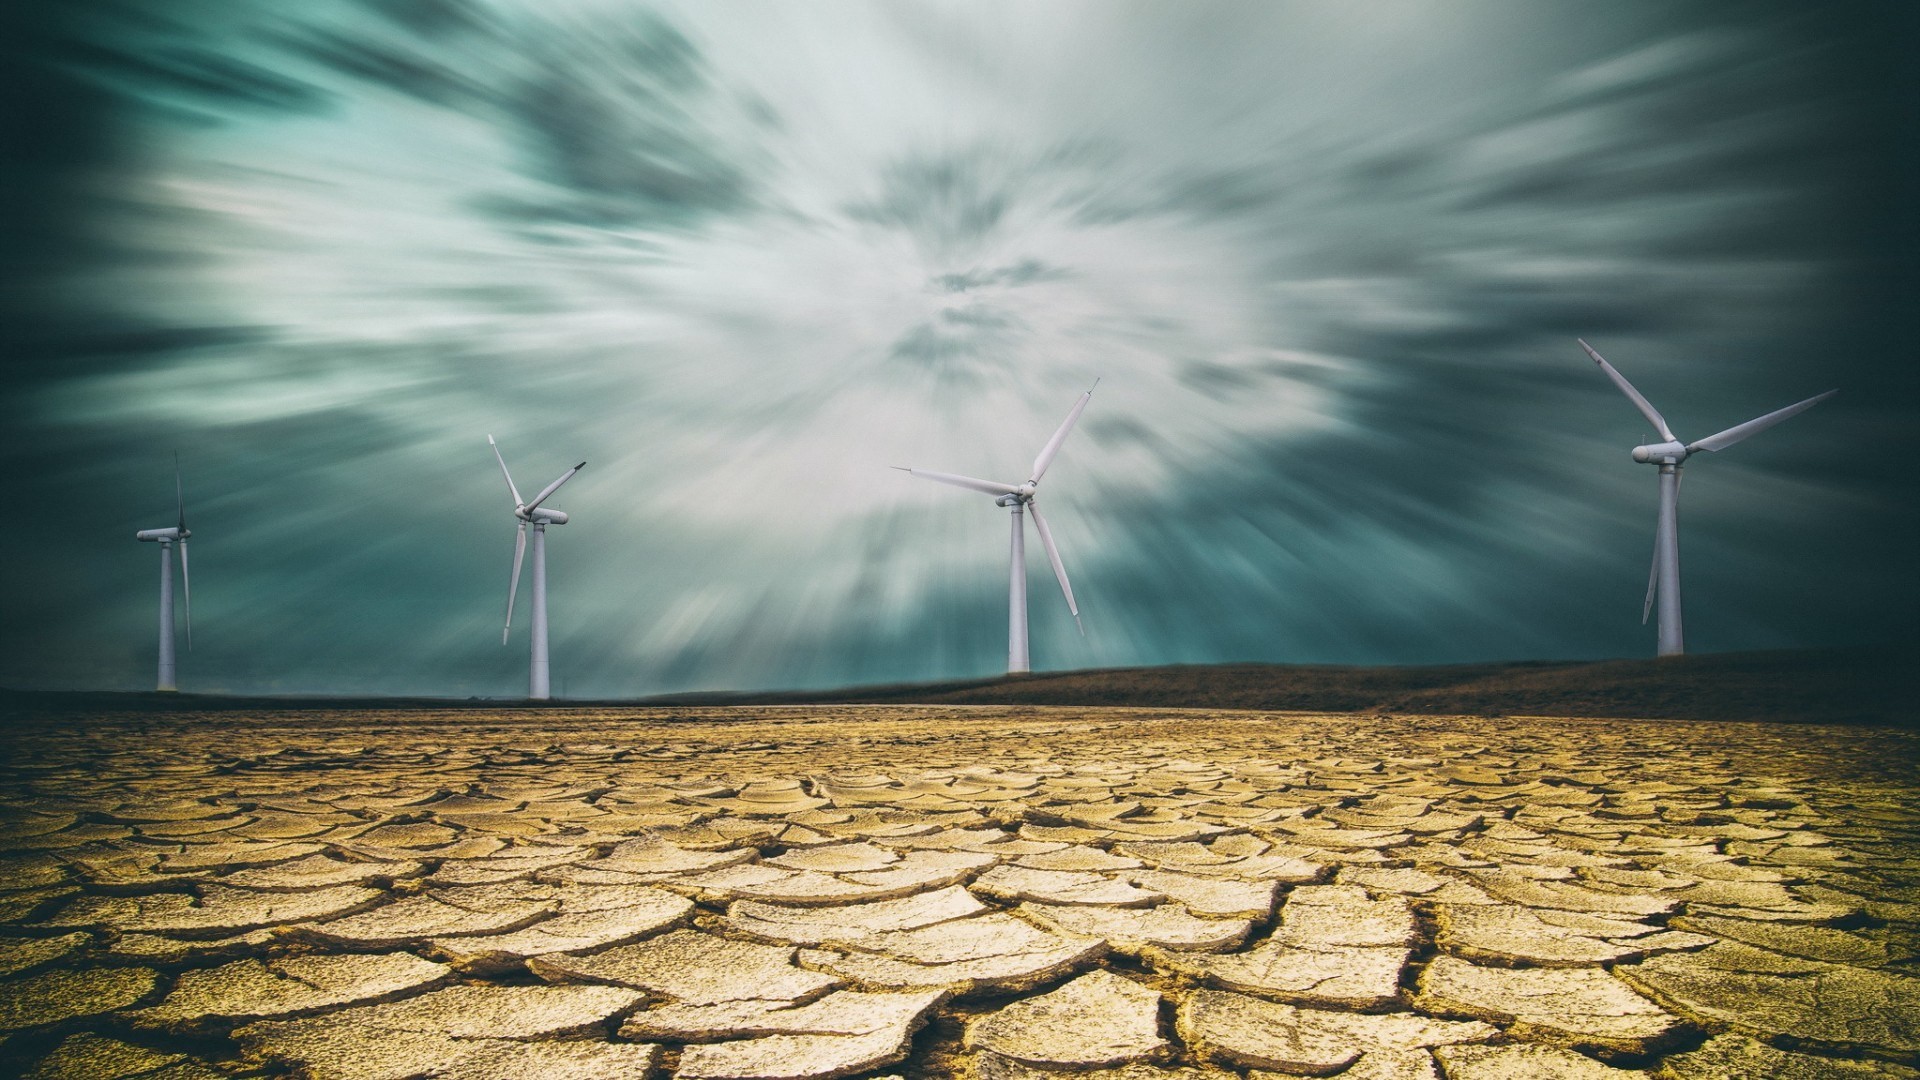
(1327,260)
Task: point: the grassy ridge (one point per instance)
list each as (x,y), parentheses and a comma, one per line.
(1813,686)
(1865,686)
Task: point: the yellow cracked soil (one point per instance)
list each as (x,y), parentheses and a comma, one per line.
(868,891)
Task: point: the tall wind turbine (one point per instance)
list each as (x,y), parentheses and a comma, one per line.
(1663,580)
(532,513)
(166,538)
(1019,499)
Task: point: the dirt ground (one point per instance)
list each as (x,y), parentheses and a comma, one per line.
(1005,893)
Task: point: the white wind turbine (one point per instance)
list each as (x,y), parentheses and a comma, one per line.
(1019,498)
(1663,580)
(532,513)
(166,538)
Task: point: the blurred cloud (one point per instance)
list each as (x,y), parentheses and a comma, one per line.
(740,256)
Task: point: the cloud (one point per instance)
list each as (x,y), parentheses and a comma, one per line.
(741,265)
(1024,272)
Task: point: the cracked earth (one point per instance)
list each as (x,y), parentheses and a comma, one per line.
(994,893)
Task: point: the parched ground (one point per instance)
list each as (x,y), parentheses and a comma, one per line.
(998,893)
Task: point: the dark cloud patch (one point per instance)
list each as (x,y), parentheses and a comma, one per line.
(52,133)
(432,18)
(1024,272)
(948,203)
(1404,168)
(386,64)
(1219,381)
(1416,446)
(1123,431)
(761,112)
(1303,372)
(980,317)
(70,141)
(925,344)
(515,300)
(1496,315)
(199,76)
(961,344)
(81,348)
(631,125)
(1227,192)
(1712,114)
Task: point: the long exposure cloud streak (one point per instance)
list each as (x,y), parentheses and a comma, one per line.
(1328,262)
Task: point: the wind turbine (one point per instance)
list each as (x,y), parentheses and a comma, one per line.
(1663,579)
(166,538)
(532,513)
(1019,499)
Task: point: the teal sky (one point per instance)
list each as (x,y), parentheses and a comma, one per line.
(1328,259)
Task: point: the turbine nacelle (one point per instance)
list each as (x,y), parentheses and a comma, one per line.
(540,515)
(164,536)
(1666,453)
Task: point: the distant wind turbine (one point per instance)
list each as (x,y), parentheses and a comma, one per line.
(166,538)
(1663,580)
(532,513)
(1019,498)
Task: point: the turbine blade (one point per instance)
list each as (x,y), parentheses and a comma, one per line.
(179,494)
(511,490)
(1048,451)
(555,486)
(1653,581)
(513,583)
(1059,569)
(1640,402)
(186,589)
(1757,425)
(991,487)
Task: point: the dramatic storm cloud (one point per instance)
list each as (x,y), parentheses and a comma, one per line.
(1328,260)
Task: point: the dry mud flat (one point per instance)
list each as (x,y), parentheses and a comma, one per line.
(999,893)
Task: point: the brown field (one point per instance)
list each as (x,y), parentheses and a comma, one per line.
(1821,686)
(991,892)
(1813,686)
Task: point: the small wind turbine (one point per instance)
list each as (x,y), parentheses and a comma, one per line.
(1663,579)
(1019,498)
(166,539)
(532,513)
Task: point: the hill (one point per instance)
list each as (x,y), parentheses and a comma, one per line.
(1867,686)
(1812,686)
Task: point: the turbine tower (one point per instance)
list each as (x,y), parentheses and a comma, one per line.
(1019,499)
(1663,580)
(166,538)
(532,513)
